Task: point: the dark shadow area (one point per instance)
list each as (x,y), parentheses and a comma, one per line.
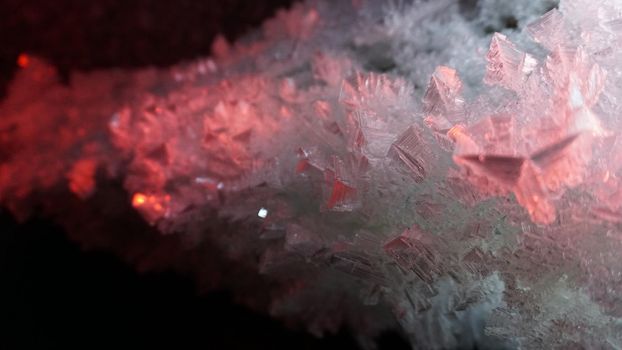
(56,296)
(84,35)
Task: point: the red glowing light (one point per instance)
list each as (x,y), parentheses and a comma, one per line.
(82,177)
(138,200)
(23,60)
(340,194)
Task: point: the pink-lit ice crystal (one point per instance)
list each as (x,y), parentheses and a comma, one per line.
(368,166)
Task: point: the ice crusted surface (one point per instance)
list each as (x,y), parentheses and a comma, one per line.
(449,168)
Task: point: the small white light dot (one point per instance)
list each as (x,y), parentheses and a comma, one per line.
(263,212)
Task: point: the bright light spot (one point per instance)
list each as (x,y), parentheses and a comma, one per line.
(575,98)
(23,60)
(456,132)
(138,199)
(263,212)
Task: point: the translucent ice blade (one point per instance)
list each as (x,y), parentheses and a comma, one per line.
(414,250)
(507,66)
(549,154)
(531,194)
(342,197)
(494,135)
(549,30)
(410,151)
(565,162)
(341,191)
(503,169)
(443,93)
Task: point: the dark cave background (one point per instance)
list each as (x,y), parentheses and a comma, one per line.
(56,294)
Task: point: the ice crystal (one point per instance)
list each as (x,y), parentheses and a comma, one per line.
(425,172)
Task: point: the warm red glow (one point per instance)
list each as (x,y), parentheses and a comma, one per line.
(456,132)
(340,194)
(138,200)
(23,60)
(153,207)
(82,177)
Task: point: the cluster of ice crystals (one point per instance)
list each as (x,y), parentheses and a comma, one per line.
(471,196)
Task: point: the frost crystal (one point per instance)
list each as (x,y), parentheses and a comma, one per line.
(507,66)
(425,173)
